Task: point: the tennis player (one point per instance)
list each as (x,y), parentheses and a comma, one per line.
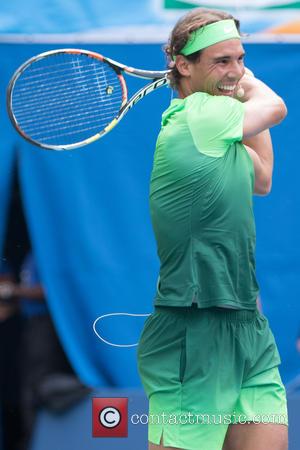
(207,358)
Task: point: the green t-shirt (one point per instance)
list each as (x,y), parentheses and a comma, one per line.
(201,205)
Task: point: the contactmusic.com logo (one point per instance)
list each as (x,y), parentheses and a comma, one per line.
(110,417)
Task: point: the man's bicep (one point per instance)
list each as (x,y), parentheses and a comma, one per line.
(258,118)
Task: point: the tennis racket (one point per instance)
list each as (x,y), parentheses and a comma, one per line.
(68,98)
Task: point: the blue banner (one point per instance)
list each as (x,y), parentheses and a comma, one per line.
(88,217)
(136,20)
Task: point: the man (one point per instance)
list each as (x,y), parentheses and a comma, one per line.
(207,358)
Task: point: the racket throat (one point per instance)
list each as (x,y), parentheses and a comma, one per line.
(142,93)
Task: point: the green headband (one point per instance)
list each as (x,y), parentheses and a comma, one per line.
(209,35)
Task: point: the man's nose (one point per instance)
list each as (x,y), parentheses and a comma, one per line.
(236,71)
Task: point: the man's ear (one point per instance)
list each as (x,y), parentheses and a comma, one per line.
(183,65)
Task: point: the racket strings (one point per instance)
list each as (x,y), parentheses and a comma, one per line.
(58,100)
(58,95)
(48,124)
(56,103)
(27,117)
(66,77)
(87,111)
(64,67)
(65,63)
(70,132)
(24,113)
(67,125)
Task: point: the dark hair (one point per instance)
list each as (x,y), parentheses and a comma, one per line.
(193,20)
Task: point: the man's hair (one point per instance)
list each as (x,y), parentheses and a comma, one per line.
(193,20)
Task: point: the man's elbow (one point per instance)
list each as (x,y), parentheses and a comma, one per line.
(280,112)
(263,188)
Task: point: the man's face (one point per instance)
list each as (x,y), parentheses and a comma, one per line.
(219,69)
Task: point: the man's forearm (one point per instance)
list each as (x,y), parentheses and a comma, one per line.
(261,144)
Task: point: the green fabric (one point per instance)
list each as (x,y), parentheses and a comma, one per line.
(201,205)
(209,35)
(212,132)
(217,363)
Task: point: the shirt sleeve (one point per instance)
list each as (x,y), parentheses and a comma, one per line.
(215,122)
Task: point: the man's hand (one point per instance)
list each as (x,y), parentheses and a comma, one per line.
(245,84)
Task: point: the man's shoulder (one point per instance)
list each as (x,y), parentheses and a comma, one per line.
(204,97)
(212,108)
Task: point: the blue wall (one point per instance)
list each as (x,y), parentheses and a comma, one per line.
(88,217)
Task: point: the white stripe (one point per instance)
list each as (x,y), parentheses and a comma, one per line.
(241,3)
(111,315)
(159,36)
(119,35)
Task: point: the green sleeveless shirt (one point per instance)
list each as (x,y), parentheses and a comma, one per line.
(201,205)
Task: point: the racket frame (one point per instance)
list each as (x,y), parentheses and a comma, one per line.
(159,79)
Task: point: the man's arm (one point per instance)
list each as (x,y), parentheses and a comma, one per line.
(259,98)
(260,150)
(263,107)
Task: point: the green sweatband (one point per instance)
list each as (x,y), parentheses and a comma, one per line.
(209,35)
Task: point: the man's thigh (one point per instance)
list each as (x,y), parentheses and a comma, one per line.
(261,436)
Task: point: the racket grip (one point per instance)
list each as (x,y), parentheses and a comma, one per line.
(240,92)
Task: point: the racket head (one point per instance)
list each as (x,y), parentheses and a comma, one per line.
(65,99)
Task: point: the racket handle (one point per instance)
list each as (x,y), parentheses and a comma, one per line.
(240,92)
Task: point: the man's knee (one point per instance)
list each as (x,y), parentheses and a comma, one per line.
(258,436)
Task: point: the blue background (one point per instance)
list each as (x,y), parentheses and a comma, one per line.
(88,216)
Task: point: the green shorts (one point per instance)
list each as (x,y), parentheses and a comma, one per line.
(204,369)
